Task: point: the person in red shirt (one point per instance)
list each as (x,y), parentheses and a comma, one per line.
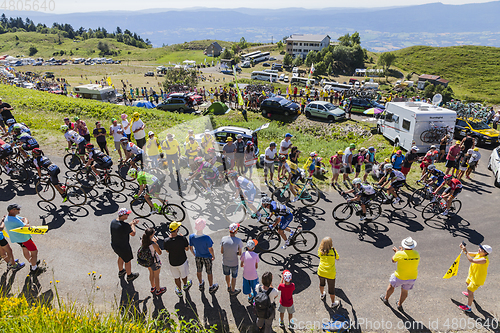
(287,288)
(451,159)
(454,189)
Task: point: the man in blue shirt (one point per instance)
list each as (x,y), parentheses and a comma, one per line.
(13,221)
(397,160)
(201,247)
(6,252)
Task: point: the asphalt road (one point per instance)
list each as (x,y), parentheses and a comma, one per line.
(77,244)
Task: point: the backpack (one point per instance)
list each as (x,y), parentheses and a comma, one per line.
(144,257)
(354,160)
(263,305)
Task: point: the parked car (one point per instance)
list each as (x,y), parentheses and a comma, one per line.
(325,110)
(285,79)
(494,165)
(150,73)
(282,77)
(266,64)
(246,64)
(279,105)
(180,104)
(361,104)
(278,67)
(480,131)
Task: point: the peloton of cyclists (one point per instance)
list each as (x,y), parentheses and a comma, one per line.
(363,194)
(454,189)
(27,141)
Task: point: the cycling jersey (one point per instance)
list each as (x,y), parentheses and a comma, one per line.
(396,175)
(72,136)
(5,149)
(455,184)
(132,148)
(100,158)
(24,129)
(366,190)
(208,170)
(26,138)
(42,162)
(144,178)
(280,209)
(245,184)
(437,173)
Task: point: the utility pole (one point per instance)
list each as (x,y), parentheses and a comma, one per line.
(272,39)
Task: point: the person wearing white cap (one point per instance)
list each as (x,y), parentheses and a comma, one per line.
(406,273)
(201,247)
(477,272)
(120,242)
(153,149)
(230,248)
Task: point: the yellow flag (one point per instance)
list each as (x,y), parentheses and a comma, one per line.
(453,269)
(109,81)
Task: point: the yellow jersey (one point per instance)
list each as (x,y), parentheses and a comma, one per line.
(408,261)
(207,143)
(170,147)
(193,148)
(478,272)
(326,266)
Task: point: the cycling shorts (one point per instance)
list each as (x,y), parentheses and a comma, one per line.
(137,158)
(295,178)
(456,193)
(54,171)
(397,184)
(81,147)
(27,147)
(154,188)
(365,198)
(104,166)
(285,221)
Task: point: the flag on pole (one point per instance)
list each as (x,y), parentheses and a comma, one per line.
(453,269)
(309,76)
(240,98)
(289,91)
(109,81)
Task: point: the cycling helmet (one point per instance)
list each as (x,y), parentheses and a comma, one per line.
(10,121)
(287,276)
(447,177)
(232,174)
(266,201)
(282,158)
(431,167)
(132,172)
(16,128)
(37,151)
(211,150)
(124,139)
(387,166)
(63,128)
(356,181)
(199,159)
(89,146)
(249,143)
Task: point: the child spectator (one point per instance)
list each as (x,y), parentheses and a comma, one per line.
(265,303)
(250,263)
(286,299)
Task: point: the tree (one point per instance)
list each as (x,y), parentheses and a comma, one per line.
(243,43)
(287,60)
(428,90)
(180,78)
(279,44)
(298,61)
(311,58)
(345,40)
(33,50)
(235,48)
(320,68)
(386,59)
(118,30)
(330,69)
(226,54)
(103,47)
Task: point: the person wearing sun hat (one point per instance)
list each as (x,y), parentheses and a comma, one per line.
(153,149)
(177,245)
(201,247)
(478,271)
(473,162)
(137,128)
(229,151)
(230,248)
(172,151)
(120,243)
(250,263)
(407,259)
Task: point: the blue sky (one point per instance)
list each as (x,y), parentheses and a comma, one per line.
(71,6)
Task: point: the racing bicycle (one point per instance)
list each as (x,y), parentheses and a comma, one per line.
(88,179)
(172,212)
(308,193)
(47,192)
(438,206)
(236,211)
(344,210)
(302,240)
(72,160)
(382,197)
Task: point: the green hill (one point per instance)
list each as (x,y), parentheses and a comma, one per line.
(473,71)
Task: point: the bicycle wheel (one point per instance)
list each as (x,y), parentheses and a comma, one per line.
(235,212)
(140,207)
(76,195)
(182,230)
(268,240)
(18,173)
(403,202)
(373,211)
(305,241)
(456,205)
(173,213)
(419,196)
(45,190)
(309,196)
(431,210)
(342,212)
(114,183)
(86,178)
(281,195)
(423,135)
(72,162)
(189,192)
(122,172)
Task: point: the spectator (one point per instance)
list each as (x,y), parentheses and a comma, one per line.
(294,155)
(409,159)
(326,269)
(68,123)
(496,119)
(464,163)
(473,162)
(201,247)
(6,251)
(240,154)
(397,160)
(120,242)
(138,129)
(230,248)
(452,159)
(150,243)
(250,263)
(13,221)
(468,142)
(126,126)
(153,149)
(285,145)
(82,129)
(176,245)
(250,159)
(336,163)
(207,141)
(228,151)
(369,162)
(266,308)
(407,260)
(192,151)
(358,159)
(346,168)
(116,131)
(428,159)
(269,158)
(442,147)
(286,300)
(100,136)
(478,271)
(310,164)
(172,152)
(5,113)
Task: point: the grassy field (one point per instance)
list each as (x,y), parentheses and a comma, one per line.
(473,71)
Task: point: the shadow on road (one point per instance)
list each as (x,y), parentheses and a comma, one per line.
(457,227)
(369,232)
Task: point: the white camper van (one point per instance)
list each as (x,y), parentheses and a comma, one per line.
(97,92)
(404,122)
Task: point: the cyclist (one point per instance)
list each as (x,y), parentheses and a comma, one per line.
(454,189)
(132,151)
(148,183)
(364,194)
(246,188)
(28,142)
(205,172)
(74,138)
(437,176)
(102,160)
(43,163)
(396,178)
(12,122)
(294,175)
(5,152)
(283,216)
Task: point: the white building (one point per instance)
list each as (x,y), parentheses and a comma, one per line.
(302,44)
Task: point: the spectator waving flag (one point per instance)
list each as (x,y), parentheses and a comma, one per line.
(453,269)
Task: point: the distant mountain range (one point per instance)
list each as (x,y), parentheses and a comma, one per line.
(381,29)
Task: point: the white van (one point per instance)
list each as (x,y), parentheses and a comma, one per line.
(404,122)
